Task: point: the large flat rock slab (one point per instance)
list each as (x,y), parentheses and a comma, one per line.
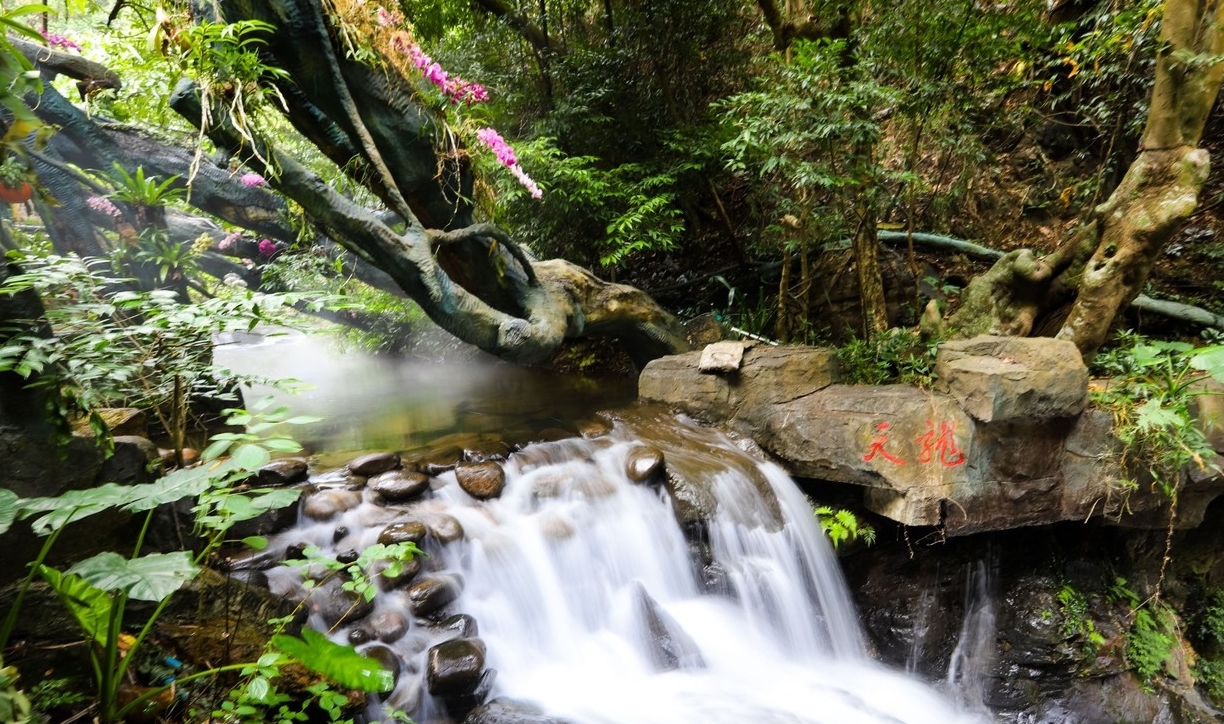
(1003,441)
(1013,378)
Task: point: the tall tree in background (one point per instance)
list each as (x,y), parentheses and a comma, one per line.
(1104,266)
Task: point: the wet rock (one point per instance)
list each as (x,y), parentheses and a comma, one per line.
(325,504)
(431,594)
(444,528)
(439,460)
(374,463)
(461,625)
(358,636)
(409,531)
(398,486)
(339,534)
(481,480)
(594,428)
(671,647)
(335,606)
(644,463)
(453,668)
(347,557)
(341,478)
(251,560)
(509,711)
(286,471)
(387,626)
(458,707)
(385,656)
(134,460)
(552,434)
(408,571)
(486,451)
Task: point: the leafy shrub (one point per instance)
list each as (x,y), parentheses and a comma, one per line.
(1152,384)
(843,526)
(898,355)
(1077,622)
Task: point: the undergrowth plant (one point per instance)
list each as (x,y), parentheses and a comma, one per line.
(1151,386)
(843,526)
(1077,620)
(112,346)
(896,356)
(1153,635)
(358,575)
(97,590)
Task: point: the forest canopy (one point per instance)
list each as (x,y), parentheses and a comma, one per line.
(784,166)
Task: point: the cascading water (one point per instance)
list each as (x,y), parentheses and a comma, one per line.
(975,647)
(603,600)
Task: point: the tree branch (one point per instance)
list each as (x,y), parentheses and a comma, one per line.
(482,232)
(520,24)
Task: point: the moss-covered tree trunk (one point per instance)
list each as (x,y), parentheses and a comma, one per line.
(1078,291)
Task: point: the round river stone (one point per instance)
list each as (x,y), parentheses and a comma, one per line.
(397,486)
(430,594)
(325,504)
(454,667)
(644,463)
(403,532)
(282,472)
(481,480)
(374,463)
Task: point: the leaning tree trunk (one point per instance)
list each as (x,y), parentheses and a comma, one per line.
(471,279)
(1104,266)
(1160,189)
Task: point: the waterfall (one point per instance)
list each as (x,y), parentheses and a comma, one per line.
(599,602)
(973,656)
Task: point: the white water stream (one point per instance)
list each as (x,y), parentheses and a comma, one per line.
(554,572)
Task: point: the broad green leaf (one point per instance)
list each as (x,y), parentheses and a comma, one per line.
(8,509)
(1209,360)
(282,445)
(74,505)
(255,542)
(77,504)
(148,578)
(258,690)
(1151,414)
(89,605)
(341,664)
(215,449)
(302,420)
(250,457)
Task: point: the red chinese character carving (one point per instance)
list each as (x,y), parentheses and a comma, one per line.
(877,446)
(944,445)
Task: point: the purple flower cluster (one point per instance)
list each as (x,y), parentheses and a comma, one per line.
(389,18)
(252,179)
(505,154)
(60,41)
(106,206)
(267,247)
(457,89)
